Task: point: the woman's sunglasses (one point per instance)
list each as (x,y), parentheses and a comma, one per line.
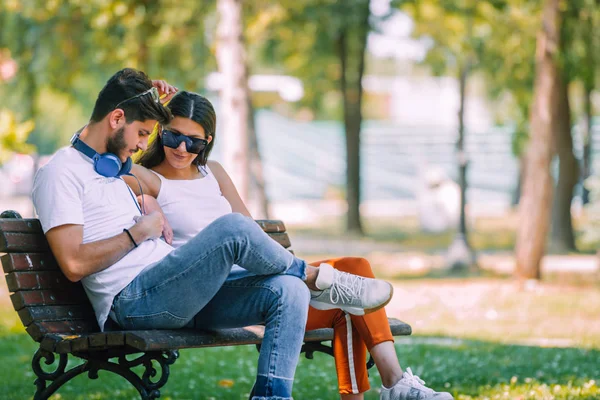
(192,145)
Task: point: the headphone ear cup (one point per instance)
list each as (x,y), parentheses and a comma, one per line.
(108,165)
(126,168)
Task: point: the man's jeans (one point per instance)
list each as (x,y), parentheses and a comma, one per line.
(187,288)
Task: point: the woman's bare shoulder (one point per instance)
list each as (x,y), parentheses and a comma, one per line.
(149,179)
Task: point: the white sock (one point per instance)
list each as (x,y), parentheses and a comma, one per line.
(325,277)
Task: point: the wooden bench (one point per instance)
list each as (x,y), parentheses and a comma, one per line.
(57,314)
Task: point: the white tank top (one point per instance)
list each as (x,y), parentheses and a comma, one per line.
(191,205)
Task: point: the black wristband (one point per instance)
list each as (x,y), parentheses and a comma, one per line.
(130,237)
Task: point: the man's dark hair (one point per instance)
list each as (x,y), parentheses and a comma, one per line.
(122,86)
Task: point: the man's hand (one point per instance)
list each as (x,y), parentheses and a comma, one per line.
(148,226)
(150,204)
(165,90)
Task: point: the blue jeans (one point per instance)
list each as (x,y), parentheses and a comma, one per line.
(187,289)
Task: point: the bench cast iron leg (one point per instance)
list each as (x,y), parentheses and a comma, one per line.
(148,389)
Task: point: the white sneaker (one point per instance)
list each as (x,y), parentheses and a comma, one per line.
(352,293)
(411,387)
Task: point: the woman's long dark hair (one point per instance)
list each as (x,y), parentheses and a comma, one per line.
(187,105)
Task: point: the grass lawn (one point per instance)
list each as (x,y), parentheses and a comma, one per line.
(477,338)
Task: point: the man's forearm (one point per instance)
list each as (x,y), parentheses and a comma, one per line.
(78,260)
(96,256)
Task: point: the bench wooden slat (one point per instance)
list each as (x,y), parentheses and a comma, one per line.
(49,342)
(271,225)
(97,341)
(399,328)
(115,339)
(30,225)
(185,338)
(29,262)
(37,281)
(63,344)
(80,344)
(281,238)
(182,338)
(28,243)
(34,229)
(38,330)
(55,313)
(64,347)
(66,296)
(58,343)
(23,242)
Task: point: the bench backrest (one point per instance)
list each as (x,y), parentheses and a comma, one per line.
(46,301)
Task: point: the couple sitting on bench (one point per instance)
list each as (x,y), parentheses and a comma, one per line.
(103,217)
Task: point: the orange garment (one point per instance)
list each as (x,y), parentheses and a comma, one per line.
(352,334)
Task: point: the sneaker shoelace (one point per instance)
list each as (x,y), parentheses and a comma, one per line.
(416,382)
(346,287)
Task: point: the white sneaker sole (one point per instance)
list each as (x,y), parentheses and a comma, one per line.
(319,305)
(442,396)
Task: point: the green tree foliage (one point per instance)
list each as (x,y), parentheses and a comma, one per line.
(458,30)
(301,38)
(508,64)
(13,136)
(66,49)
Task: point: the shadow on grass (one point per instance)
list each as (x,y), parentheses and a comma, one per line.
(469,369)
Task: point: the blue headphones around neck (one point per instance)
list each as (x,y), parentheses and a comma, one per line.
(107,164)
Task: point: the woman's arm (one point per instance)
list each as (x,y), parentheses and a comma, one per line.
(148,180)
(228,188)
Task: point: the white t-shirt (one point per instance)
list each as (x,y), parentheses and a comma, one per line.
(190,205)
(67,190)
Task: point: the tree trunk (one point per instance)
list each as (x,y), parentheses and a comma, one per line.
(568,174)
(352,43)
(460,255)
(589,82)
(587,142)
(536,199)
(231,60)
(516,197)
(460,150)
(256,167)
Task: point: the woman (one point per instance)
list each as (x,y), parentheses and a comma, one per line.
(177,175)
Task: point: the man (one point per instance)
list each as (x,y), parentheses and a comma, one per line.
(99,235)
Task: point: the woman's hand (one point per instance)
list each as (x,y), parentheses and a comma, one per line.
(165,90)
(151,205)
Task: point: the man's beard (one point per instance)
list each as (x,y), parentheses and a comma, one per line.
(116,144)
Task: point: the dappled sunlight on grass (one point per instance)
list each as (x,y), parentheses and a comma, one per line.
(499,310)
(480,369)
